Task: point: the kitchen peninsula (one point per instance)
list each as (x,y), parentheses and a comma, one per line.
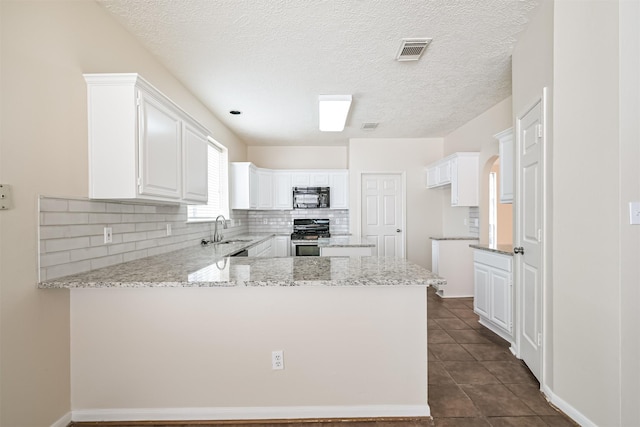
(190,335)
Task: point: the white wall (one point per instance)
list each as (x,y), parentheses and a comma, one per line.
(276,157)
(210,348)
(476,135)
(46,46)
(424,207)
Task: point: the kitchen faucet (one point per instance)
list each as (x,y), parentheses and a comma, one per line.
(216,236)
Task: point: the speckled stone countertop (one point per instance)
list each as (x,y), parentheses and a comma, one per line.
(345,242)
(500,249)
(204,266)
(454,238)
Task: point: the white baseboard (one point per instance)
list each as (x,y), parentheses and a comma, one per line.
(572,412)
(251,413)
(63,421)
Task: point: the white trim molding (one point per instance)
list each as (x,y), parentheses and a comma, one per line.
(249,413)
(571,412)
(63,421)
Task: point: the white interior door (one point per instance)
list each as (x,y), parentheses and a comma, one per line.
(529,223)
(383,213)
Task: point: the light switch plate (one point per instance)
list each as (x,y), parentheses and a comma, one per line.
(634,213)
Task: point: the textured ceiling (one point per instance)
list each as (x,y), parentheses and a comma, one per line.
(271,59)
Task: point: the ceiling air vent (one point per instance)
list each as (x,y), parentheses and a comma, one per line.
(412,49)
(369,126)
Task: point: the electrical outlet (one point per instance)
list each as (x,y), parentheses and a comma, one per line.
(265,221)
(277,360)
(168,229)
(108,235)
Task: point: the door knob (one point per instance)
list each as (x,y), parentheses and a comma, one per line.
(518,250)
(398,230)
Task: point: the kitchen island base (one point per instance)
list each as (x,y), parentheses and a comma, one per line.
(204,353)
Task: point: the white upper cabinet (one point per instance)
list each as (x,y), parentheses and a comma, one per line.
(141,144)
(258,188)
(339,188)
(460,171)
(505,144)
(194,164)
(265,189)
(282,190)
(244,185)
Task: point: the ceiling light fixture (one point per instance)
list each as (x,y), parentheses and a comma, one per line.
(333,110)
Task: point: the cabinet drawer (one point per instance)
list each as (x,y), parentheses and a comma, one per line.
(503,262)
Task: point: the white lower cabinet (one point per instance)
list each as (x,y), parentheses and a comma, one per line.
(264,249)
(282,246)
(493,293)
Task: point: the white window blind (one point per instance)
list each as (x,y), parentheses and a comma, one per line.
(218,203)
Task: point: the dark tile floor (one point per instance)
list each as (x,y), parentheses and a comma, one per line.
(474,380)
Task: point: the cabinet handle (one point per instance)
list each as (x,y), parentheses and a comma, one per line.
(518,250)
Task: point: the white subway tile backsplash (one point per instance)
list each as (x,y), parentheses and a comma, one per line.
(86,206)
(55,258)
(64,218)
(53,205)
(88,253)
(67,269)
(120,248)
(56,245)
(105,218)
(106,261)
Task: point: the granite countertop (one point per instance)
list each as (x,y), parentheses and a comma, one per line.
(210,266)
(455,238)
(345,242)
(500,249)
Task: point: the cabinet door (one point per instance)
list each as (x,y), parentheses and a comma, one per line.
(282,190)
(300,179)
(254,187)
(444,172)
(454,181)
(319,179)
(160,149)
(195,165)
(501,299)
(506,168)
(432,177)
(265,189)
(482,290)
(339,184)
(282,245)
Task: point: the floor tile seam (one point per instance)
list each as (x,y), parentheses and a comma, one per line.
(503,416)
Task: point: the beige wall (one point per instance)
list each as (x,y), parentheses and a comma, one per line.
(476,135)
(275,157)
(532,64)
(424,207)
(629,190)
(210,348)
(46,46)
(592,343)
(586,208)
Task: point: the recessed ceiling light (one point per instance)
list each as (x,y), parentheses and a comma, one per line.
(333,110)
(235,112)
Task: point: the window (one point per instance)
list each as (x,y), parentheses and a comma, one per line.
(218,203)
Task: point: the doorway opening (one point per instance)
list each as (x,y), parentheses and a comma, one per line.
(500,215)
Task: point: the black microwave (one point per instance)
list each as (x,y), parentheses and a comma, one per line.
(311,197)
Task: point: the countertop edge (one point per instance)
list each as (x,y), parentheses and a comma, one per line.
(506,250)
